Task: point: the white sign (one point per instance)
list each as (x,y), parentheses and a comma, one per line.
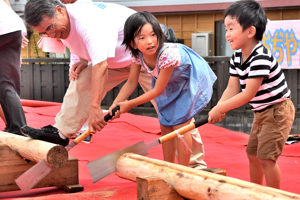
(281,38)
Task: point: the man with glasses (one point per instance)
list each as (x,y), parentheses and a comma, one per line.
(11,41)
(94,32)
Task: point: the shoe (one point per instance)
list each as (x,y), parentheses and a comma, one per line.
(13,132)
(47,133)
(87,139)
(6,129)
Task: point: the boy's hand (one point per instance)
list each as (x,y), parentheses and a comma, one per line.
(215,116)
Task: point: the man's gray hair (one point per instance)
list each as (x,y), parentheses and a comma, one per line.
(36,10)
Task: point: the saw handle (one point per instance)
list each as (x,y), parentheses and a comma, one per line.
(182,130)
(87,132)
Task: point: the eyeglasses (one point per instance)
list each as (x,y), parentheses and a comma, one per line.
(49,29)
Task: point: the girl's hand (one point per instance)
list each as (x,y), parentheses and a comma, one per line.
(117,114)
(215,115)
(124,106)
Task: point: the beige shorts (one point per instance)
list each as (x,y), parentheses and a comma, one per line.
(270,130)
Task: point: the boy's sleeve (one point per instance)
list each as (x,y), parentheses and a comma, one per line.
(232,69)
(260,68)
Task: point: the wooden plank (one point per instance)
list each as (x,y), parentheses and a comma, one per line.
(37,87)
(155,188)
(9,157)
(27,81)
(72,188)
(290,14)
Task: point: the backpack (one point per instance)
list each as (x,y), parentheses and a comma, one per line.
(169,33)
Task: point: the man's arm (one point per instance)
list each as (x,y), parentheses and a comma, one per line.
(7,2)
(99,79)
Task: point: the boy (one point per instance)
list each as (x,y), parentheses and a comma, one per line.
(255,70)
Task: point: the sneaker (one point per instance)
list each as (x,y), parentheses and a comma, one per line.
(47,133)
(13,132)
(87,139)
(6,129)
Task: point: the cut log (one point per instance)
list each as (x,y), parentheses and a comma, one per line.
(35,150)
(196,184)
(12,166)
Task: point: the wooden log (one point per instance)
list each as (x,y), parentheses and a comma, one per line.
(12,166)
(197,184)
(35,150)
(154,188)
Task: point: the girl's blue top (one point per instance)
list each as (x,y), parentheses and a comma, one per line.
(189,89)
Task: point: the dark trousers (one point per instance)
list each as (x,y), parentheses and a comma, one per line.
(10,81)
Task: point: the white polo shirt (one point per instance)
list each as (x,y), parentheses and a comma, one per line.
(96,32)
(9,20)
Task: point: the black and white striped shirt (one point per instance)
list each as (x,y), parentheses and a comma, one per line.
(261,63)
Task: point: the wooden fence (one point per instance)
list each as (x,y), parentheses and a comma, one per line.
(47,80)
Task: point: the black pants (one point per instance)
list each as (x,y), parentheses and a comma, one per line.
(10,81)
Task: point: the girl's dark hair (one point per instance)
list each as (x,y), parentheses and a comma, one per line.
(133,27)
(248,13)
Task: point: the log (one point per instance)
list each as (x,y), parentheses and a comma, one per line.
(12,166)
(196,184)
(35,150)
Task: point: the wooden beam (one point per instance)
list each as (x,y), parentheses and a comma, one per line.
(196,184)
(35,150)
(154,188)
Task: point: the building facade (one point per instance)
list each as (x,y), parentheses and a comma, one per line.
(185,17)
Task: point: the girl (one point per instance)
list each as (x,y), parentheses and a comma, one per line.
(181,81)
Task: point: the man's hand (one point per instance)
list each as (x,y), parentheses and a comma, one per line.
(24,42)
(76,69)
(96,120)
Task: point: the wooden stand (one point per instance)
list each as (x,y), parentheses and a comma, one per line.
(12,166)
(155,188)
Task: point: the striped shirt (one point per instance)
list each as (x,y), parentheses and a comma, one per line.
(261,63)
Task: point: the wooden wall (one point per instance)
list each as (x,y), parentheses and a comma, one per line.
(186,24)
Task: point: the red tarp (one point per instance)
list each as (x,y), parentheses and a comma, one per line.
(224,149)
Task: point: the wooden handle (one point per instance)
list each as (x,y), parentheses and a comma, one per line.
(82,136)
(182,130)
(87,132)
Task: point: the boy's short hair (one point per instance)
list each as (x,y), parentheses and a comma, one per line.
(248,13)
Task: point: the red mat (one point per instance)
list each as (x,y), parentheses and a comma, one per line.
(223,149)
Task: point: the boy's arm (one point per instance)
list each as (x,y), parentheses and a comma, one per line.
(229,103)
(232,89)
